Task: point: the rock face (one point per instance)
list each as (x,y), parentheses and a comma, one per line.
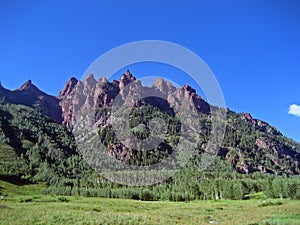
(77,97)
(126,78)
(186,97)
(106,92)
(69,86)
(164,87)
(129,88)
(120,152)
(260,125)
(270,148)
(248,118)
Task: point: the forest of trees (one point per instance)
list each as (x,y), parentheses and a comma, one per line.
(36,149)
(204,186)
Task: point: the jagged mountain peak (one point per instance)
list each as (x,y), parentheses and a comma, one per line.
(68,88)
(126,78)
(102,80)
(128,73)
(31,90)
(90,80)
(28,84)
(73,80)
(163,86)
(188,88)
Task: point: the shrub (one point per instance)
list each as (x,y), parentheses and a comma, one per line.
(269,203)
(63,199)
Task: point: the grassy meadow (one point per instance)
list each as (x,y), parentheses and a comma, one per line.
(24,204)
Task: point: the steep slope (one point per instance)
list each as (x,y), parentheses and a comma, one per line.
(79,96)
(249,145)
(252,145)
(34,147)
(28,94)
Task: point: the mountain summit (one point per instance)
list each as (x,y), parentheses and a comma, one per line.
(28,94)
(249,145)
(69,86)
(77,96)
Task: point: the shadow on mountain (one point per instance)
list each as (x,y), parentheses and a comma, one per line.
(14,179)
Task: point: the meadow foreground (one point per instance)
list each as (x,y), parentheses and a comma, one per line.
(24,205)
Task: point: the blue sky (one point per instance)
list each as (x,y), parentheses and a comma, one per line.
(252,47)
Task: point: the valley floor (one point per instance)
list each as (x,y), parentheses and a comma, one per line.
(25,205)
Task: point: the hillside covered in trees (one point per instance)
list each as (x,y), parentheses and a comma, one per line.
(253,156)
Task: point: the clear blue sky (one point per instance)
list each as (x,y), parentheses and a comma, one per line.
(252,46)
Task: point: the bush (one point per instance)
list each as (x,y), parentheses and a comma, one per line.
(269,203)
(63,199)
(147,195)
(26,200)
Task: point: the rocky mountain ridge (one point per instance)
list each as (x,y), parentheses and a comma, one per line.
(77,96)
(264,143)
(28,94)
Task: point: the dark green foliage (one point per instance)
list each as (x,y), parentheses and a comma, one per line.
(139,126)
(26,200)
(33,148)
(63,199)
(38,149)
(282,156)
(185,186)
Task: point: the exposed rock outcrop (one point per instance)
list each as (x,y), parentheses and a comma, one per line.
(260,125)
(78,97)
(164,87)
(270,146)
(68,88)
(186,98)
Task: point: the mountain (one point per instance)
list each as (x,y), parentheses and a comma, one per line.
(78,96)
(250,145)
(28,94)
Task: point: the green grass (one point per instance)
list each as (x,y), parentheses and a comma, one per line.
(14,186)
(283,220)
(25,204)
(7,153)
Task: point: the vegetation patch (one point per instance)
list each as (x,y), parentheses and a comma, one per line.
(283,220)
(269,203)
